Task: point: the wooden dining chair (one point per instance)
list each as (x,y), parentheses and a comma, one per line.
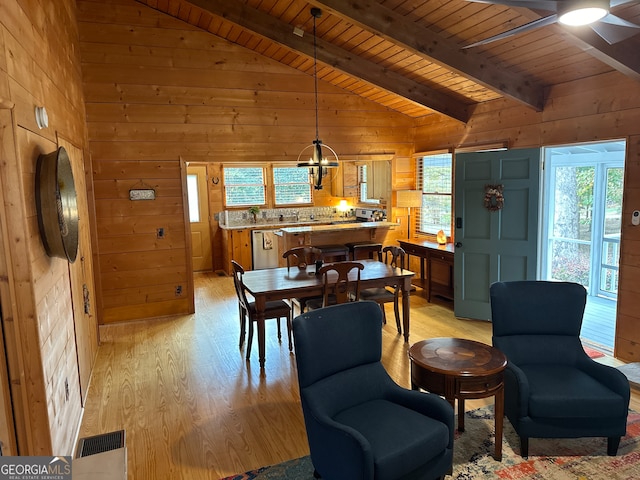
(301,257)
(393,256)
(338,288)
(275,309)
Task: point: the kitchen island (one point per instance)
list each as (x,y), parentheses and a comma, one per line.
(244,240)
(332,234)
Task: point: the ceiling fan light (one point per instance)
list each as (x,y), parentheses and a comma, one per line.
(576,13)
(582,16)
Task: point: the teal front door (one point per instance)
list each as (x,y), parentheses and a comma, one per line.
(496,224)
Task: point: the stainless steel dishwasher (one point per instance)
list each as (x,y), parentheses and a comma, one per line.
(264,249)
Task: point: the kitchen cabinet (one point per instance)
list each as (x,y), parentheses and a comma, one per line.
(237,246)
(379,180)
(345,181)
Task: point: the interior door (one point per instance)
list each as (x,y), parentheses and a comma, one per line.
(199,218)
(81,277)
(494,242)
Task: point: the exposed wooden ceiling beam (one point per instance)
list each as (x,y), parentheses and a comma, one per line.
(273,29)
(420,40)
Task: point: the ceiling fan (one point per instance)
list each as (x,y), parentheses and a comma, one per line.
(593,13)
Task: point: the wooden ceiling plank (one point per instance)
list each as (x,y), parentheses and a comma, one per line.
(422,41)
(355,43)
(282,33)
(174,7)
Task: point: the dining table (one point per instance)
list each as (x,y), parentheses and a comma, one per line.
(285,283)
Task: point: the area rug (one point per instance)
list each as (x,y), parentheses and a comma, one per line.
(549,459)
(592,352)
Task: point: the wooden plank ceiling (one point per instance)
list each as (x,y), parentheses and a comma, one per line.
(407,54)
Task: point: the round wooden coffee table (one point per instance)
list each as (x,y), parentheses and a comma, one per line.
(457,368)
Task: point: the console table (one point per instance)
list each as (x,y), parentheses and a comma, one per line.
(436,261)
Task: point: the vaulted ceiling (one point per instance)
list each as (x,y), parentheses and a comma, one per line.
(407,54)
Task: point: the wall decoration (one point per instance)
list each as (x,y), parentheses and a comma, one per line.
(493,197)
(57,205)
(145,192)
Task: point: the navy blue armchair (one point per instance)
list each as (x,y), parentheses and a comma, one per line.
(552,388)
(360,423)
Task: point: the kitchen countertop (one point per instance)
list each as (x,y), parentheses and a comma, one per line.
(302,226)
(336,227)
(264,225)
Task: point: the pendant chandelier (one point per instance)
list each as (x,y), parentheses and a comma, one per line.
(317,163)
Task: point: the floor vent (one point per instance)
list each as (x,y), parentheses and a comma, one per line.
(100,443)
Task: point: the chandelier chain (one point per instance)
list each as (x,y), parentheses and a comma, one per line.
(315,74)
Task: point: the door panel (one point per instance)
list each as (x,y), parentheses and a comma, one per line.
(496,245)
(471,281)
(81,275)
(196,241)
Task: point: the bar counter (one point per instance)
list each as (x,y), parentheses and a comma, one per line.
(333,234)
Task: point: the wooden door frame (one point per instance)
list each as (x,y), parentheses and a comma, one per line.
(187,235)
(14,395)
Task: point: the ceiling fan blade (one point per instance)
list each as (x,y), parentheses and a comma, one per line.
(615,29)
(621,22)
(527,27)
(552,6)
(617,3)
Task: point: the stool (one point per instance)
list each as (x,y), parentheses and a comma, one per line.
(363,250)
(334,253)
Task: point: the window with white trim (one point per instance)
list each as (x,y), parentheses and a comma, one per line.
(435,180)
(244,186)
(291,185)
(362,185)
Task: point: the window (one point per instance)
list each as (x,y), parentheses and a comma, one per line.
(291,185)
(362,182)
(244,186)
(435,181)
(193,196)
(362,186)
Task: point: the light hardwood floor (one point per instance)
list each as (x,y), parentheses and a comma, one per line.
(193,408)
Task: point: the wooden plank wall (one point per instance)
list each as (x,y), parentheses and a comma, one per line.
(598,108)
(157,88)
(141,270)
(39,65)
